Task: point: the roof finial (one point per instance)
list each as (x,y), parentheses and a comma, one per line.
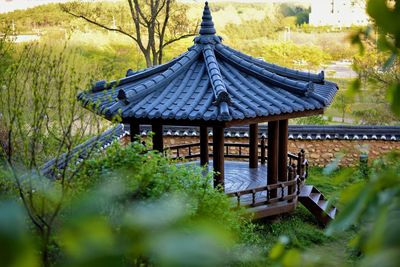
(207,25)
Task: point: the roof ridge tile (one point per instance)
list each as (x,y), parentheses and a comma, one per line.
(219,88)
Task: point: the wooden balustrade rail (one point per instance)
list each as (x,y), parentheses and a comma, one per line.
(190,154)
(286,191)
(299,160)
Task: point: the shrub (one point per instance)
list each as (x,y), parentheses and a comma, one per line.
(149,175)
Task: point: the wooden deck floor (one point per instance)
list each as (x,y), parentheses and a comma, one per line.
(238,175)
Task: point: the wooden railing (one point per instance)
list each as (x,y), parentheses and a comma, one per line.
(190,151)
(299,162)
(280,191)
(273,193)
(264,195)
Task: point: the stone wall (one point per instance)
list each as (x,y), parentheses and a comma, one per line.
(322,152)
(318,152)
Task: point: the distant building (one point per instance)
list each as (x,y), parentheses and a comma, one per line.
(341,13)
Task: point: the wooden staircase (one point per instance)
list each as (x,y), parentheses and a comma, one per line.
(316,203)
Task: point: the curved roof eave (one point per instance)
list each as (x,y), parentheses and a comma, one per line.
(211,83)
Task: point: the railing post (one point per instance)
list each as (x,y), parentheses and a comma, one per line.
(291,177)
(262,150)
(299,163)
(302,165)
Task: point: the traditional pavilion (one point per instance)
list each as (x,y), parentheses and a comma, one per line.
(215,86)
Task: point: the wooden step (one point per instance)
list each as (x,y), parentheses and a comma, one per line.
(306,191)
(317,204)
(323,204)
(315,197)
(315,190)
(332,213)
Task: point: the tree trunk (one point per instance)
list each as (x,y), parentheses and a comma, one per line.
(147,56)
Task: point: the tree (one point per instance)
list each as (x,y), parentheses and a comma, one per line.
(156,23)
(40,119)
(342,102)
(385,15)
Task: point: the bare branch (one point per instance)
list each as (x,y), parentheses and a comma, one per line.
(178,38)
(101,25)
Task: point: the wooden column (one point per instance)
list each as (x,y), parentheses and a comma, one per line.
(134,130)
(283,150)
(273,147)
(218,155)
(157,137)
(203,145)
(262,150)
(253,151)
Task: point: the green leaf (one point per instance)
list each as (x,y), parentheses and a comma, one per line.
(276,251)
(354,86)
(389,62)
(292,258)
(394,98)
(351,213)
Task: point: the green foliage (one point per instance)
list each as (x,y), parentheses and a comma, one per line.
(133,206)
(301,13)
(387,39)
(40,17)
(375,206)
(149,175)
(317,120)
(251,29)
(343,103)
(37,99)
(15,237)
(254,28)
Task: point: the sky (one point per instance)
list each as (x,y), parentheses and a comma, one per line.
(10,5)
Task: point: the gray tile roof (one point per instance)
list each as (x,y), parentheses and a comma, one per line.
(210,82)
(300,132)
(84,150)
